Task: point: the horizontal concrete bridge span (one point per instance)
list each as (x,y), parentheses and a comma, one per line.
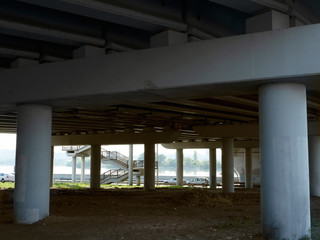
(120,138)
(208,67)
(219,131)
(216,144)
(244,130)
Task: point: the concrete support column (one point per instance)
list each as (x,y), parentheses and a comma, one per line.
(83,168)
(149,165)
(74,169)
(51,166)
(95,167)
(213,168)
(130,165)
(248,153)
(32,183)
(314,162)
(179,167)
(138,180)
(285,198)
(227,165)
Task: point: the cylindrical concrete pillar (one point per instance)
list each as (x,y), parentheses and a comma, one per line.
(213,168)
(285,198)
(227,165)
(248,154)
(138,180)
(83,168)
(33,153)
(130,166)
(51,166)
(314,165)
(149,165)
(95,167)
(74,169)
(179,167)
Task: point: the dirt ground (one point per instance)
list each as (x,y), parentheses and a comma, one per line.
(135,214)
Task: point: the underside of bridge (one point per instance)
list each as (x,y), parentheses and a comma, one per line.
(216,72)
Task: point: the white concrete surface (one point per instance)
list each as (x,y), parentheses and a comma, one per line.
(255,59)
(32,182)
(74,169)
(83,168)
(179,155)
(149,165)
(227,165)
(285,198)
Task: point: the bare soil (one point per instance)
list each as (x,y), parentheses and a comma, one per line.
(135,214)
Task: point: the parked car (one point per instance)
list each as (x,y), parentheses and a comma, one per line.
(7,177)
(173,181)
(198,181)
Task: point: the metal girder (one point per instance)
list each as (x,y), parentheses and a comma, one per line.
(102,10)
(64,37)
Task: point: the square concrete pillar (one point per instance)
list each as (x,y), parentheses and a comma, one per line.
(88,51)
(168,38)
(268,21)
(22,62)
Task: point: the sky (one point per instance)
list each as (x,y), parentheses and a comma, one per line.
(7,141)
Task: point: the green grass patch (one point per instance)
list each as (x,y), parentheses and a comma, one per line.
(69,185)
(6,185)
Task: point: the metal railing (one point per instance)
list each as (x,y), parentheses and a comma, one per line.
(71,148)
(112,174)
(116,157)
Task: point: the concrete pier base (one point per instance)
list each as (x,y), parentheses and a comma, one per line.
(179,167)
(285,199)
(227,165)
(33,154)
(149,165)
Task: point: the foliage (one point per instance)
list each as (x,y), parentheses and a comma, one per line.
(86,163)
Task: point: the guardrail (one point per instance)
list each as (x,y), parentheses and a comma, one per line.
(71,148)
(112,174)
